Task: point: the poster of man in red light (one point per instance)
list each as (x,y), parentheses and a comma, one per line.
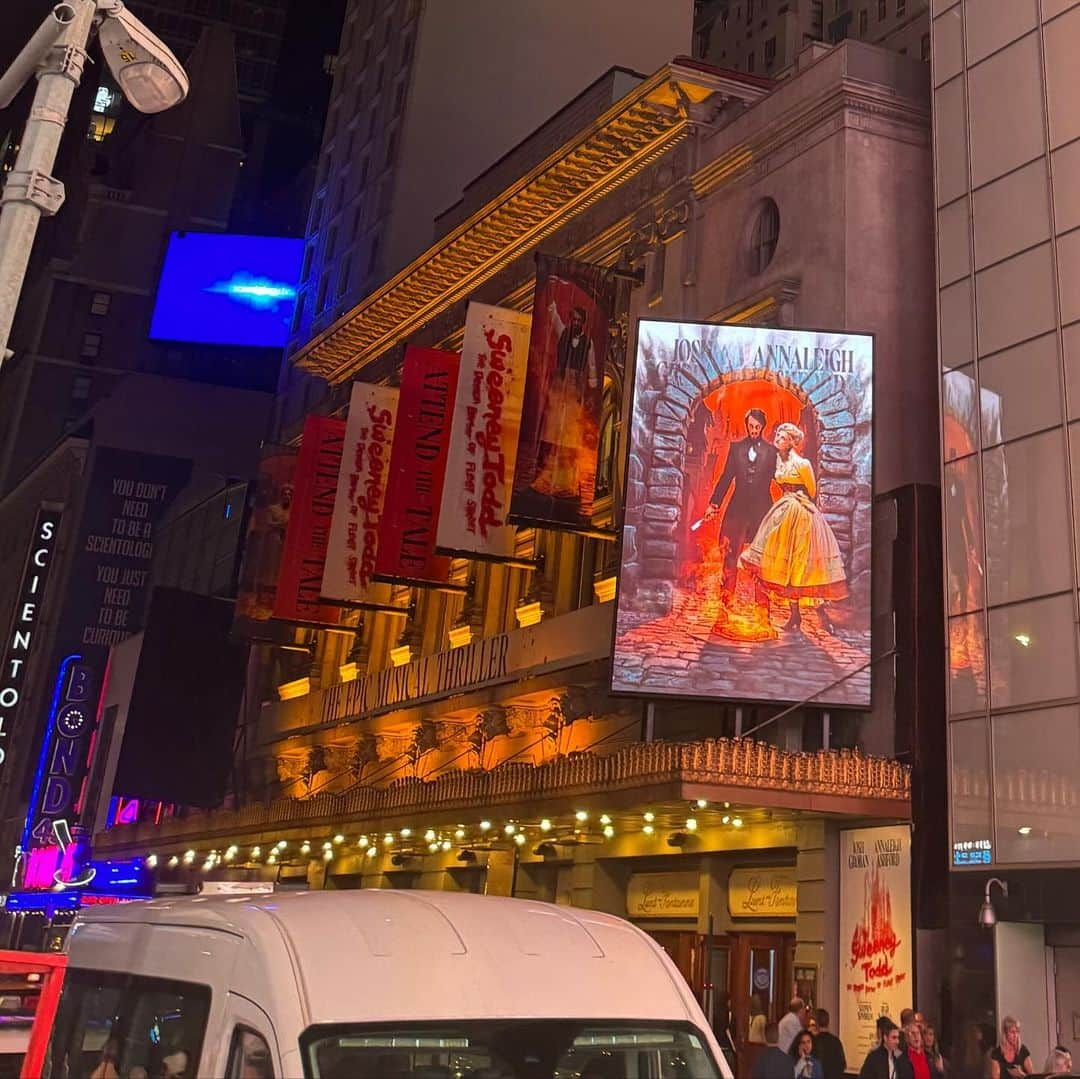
(746,536)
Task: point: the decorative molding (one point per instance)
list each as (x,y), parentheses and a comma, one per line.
(744,770)
(637,130)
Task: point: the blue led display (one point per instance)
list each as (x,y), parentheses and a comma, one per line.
(227,289)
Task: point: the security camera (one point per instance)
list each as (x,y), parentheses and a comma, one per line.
(148,73)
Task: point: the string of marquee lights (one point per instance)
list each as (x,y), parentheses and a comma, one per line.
(486,837)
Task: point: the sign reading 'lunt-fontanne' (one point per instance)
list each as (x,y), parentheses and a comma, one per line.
(763,893)
(663,895)
(473,664)
(24,618)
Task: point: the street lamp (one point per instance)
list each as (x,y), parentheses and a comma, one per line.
(151,78)
(987,914)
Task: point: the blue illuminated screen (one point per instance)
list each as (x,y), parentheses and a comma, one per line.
(227,289)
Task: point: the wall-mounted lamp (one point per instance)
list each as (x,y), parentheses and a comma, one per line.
(987,914)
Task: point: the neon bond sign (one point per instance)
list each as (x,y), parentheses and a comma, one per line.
(26,613)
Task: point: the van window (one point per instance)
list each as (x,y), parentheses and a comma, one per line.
(509,1049)
(249,1057)
(118,1026)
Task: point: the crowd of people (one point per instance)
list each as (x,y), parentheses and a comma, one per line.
(801,1046)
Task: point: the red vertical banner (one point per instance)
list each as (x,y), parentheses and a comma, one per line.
(308,534)
(410,520)
(555,475)
(268,518)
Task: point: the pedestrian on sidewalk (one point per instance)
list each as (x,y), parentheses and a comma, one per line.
(828,1048)
(886,1061)
(791,1023)
(938,1064)
(920,1066)
(1010,1058)
(772,1061)
(807,1066)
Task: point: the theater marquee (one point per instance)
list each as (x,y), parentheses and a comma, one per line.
(746,539)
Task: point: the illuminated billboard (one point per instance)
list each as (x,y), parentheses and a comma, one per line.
(746,535)
(227,289)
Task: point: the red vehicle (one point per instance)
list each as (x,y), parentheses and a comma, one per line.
(30,984)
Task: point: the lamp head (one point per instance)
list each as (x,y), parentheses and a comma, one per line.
(149,75)
(987,914)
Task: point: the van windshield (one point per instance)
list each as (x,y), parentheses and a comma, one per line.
(509,1049)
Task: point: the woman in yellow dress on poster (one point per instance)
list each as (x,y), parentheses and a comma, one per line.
(795,554)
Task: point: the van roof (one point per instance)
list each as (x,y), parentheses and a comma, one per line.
(384,954)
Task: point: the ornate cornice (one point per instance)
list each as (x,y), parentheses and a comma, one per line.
(637,130)
(739,770)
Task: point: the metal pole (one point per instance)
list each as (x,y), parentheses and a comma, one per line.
(31,191)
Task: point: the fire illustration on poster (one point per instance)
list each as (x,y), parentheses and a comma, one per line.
(746,538)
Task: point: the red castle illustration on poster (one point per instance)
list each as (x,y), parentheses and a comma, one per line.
(874,941)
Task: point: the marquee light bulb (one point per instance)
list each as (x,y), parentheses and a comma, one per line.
(459,833)
(609,831)
(371,852)
(432,847)
(429,835)
(388,840)
(650,816)
(545,825)
(648,829)
(272,859)
(339,838)
(151,861)
(737,821)
(174,862)
(405,833)
(701,803)
(189,857)
(485,825)
(446,844)
(305,848)
(509,829)
(581,815)
(519,839)
(256,852)
(327,846)
(363,841)
(605,819)
(691,824)
(725,819)
(328,855)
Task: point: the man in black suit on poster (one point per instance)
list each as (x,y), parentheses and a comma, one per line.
(751,465)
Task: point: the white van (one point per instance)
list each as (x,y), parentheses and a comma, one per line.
(372,984)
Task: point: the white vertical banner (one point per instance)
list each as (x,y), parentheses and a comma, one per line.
(361,493)
(484,439)
(875,933)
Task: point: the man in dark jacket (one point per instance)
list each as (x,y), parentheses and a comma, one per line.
(828,1048)
(886,1061)
(772,1062)
(751,465)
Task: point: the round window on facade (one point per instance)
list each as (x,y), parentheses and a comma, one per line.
(764,235)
